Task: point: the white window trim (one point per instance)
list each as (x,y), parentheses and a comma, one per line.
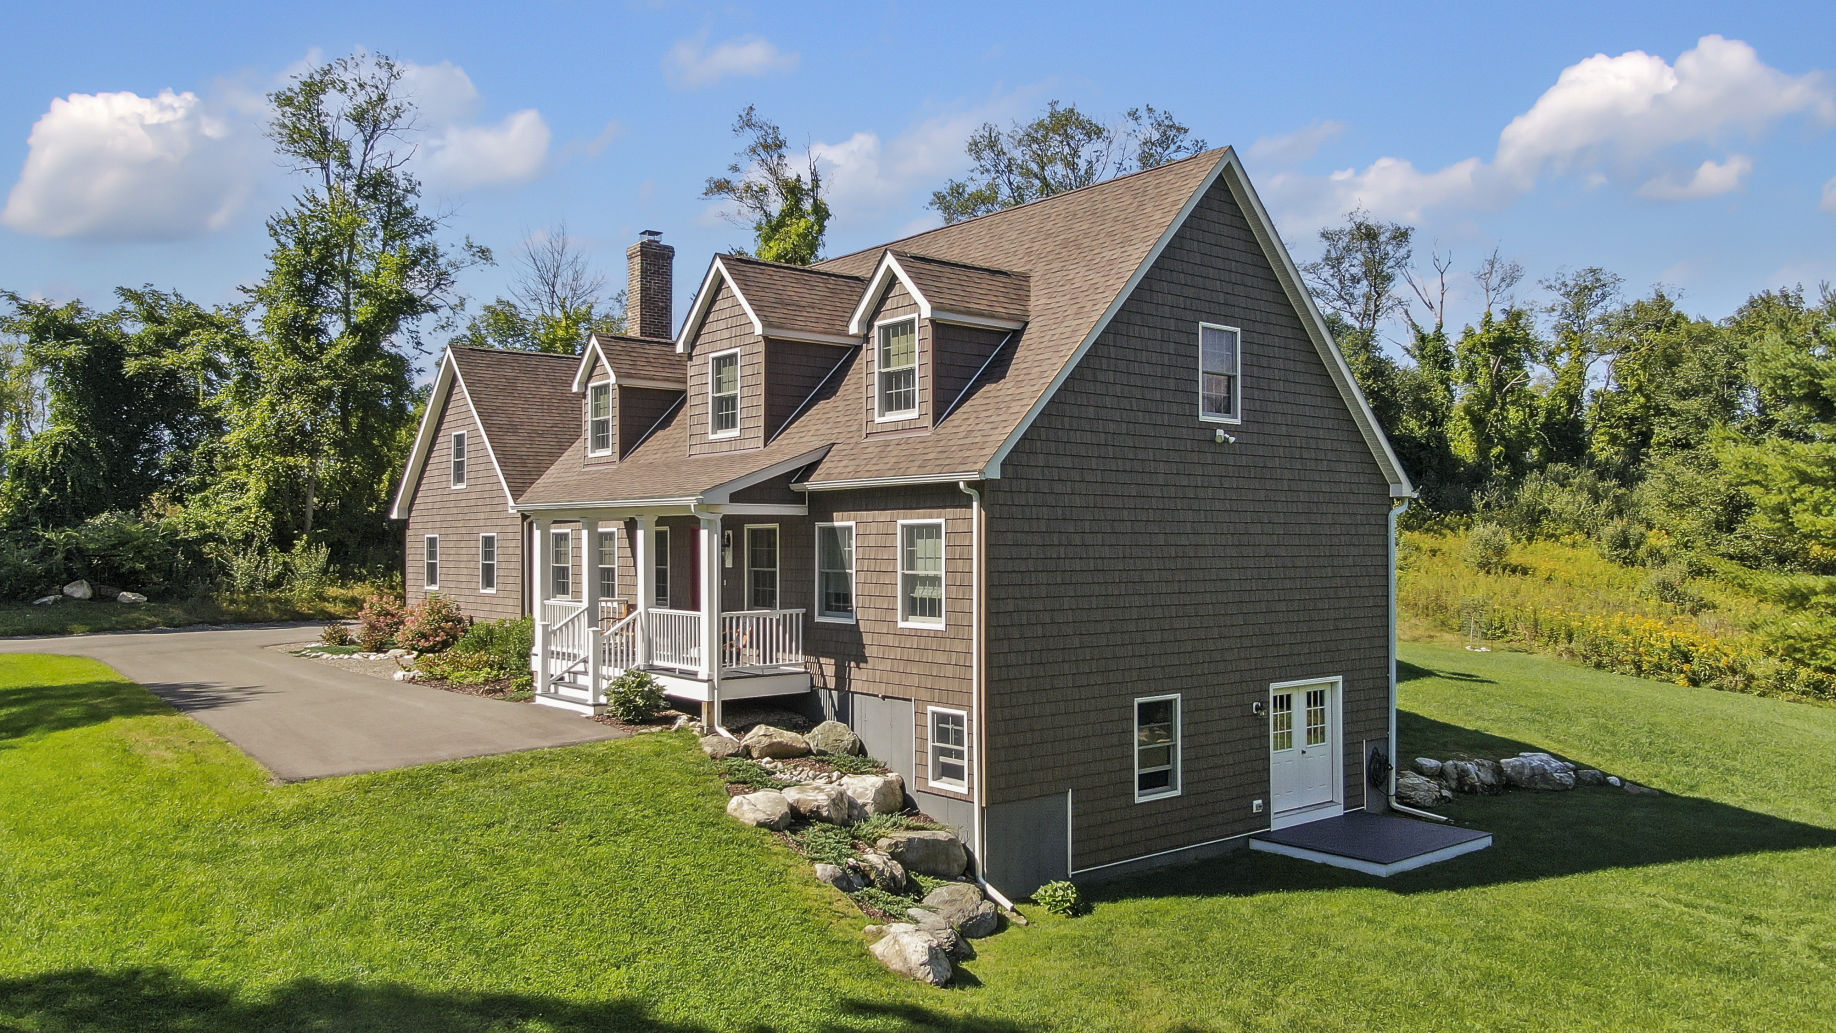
(739,391)
(434,585)
(778,535)
(853,580)
(902,415)
(549,575)
(1236,384)
(930,749)
(1179,748)
(604,537)
(607,384)
(659,587)
(495,564)
(461,458)
(943,579)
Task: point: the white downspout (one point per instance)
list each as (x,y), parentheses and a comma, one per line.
(1396,513)
(977,662)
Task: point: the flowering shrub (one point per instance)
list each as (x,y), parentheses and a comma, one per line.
(431,625)
(379,622)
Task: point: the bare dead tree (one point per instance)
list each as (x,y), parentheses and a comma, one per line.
(555,280)
(1497,277)
(1433,295)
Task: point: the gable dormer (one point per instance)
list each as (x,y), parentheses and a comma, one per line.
(760,337)
(625,386)
(931,325)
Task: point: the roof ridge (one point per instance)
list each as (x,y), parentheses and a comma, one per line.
(629,339)
(888,245)
(958,265)
(510,351)
(791,266)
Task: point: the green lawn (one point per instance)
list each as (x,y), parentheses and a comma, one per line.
(74,617)
(151,878)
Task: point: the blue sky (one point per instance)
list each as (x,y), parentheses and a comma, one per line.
(1688,144)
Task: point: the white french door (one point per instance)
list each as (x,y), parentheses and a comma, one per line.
(1303,751)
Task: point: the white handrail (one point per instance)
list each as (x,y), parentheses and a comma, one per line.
(618,648)
(761,638)
(675,639)
(566,641)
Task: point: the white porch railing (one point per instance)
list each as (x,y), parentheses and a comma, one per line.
(618,646)
(611,611)
(567,628)
(761,638)
(675,639)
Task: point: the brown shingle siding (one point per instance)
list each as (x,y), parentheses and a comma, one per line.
(459,516)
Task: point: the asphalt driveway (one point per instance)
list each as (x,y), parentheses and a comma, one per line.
(303,719)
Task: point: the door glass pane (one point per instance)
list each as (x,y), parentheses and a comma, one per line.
(1281,722)
(1316,716)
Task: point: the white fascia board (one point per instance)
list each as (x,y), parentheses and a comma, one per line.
(721,494)
(669,502)
(812,337)
(887,482)
(888,270)
(509,499)
(586,362)
(704,300)
(423,438)
(982,322)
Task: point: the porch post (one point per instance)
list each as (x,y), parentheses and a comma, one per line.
(589,594)
(710,613)
(642,544)
(538,582)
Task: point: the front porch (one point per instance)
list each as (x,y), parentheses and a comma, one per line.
(588,632)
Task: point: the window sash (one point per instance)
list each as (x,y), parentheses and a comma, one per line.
(723,394)
(607,564)
(949,751)
(1220,368)
(487,563)
(897,369)
(458,443)
(835,571)
(1157,747)
(599,418)
(561,564)
(762,567)
(430,561)
(660,567)
(921,573)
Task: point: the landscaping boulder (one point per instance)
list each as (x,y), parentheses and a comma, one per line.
(766,809)
(1427,767)
(79,589)
(46,600)
(841,878)
(822,803)
(962,905)
(1638,790)
(1615,781)
(880,870)
(1412,790)
(1537,771)
(834,737)
(720,747)
(938,854)
(771,741)
(408,676)
(130,598)
(876,794)
(1590,777)
(914,954)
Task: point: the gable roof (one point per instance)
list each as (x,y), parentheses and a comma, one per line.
(634,362)
(1081,254)
(789,302)
(949,292)
(513,395)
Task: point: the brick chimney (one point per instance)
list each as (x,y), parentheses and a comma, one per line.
(647,295)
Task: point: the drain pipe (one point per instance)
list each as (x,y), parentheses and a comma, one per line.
(1396,513)
(977,648)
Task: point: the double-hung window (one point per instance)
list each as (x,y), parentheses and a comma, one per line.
(896,364)
(430,562)
(762,566)
(599,419)
(949,748)
(487,563)
(835,572)
(660,565)
(921,573)
(1156,747)
(723,394)
(1220,366)
(459,460)
(561,564)
(607,564)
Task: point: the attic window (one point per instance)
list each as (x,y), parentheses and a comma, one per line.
(459,460)
(599,419)
(1220,363)
(896,363)
(723,394)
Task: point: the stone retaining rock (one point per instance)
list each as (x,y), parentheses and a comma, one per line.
(766,809)
(131,598)
(1538,771)
(913,953)
(46,600)
(876,794)
(822,803)
(834,737)
(1590,777)
(79,589)
(841,878)
(881,870)
(770,741)
(1427,767)
(938,854)
(962,905)
(720,747)
(1414,790)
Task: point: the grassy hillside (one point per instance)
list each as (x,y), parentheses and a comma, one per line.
(153,879)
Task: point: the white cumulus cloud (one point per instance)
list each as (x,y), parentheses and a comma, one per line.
(1299,145)
(464,157)
(1710,179)
(119,166)
(691,63)
(1829,196)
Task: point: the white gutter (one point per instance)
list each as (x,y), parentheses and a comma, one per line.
(977,663)
(1396,513)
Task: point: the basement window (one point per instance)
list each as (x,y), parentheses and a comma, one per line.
(949,749)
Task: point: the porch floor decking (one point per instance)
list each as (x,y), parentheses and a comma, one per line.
(1375,844)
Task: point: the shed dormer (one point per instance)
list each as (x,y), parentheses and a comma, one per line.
(931,325)
(626,385)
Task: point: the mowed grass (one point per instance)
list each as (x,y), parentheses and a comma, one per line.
(75,617)
(153,879)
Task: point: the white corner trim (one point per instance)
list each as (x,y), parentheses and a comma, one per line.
(704,300)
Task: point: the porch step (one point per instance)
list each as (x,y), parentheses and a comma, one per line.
(565,697)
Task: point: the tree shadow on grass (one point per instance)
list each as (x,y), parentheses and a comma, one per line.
(1408,672)
(42,709)
(93,1001)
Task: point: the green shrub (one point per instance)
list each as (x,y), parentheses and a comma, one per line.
(1060,898)
(877,899)
(488,651)
(431,625)
(827,844)
(849,764)
(1486,548)
(251,569)
(379,622)
(1557,501)
(308,569)
(337,633)
(1621,541)
(634,697)
(873,828)
(1670,584)
(743,772)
